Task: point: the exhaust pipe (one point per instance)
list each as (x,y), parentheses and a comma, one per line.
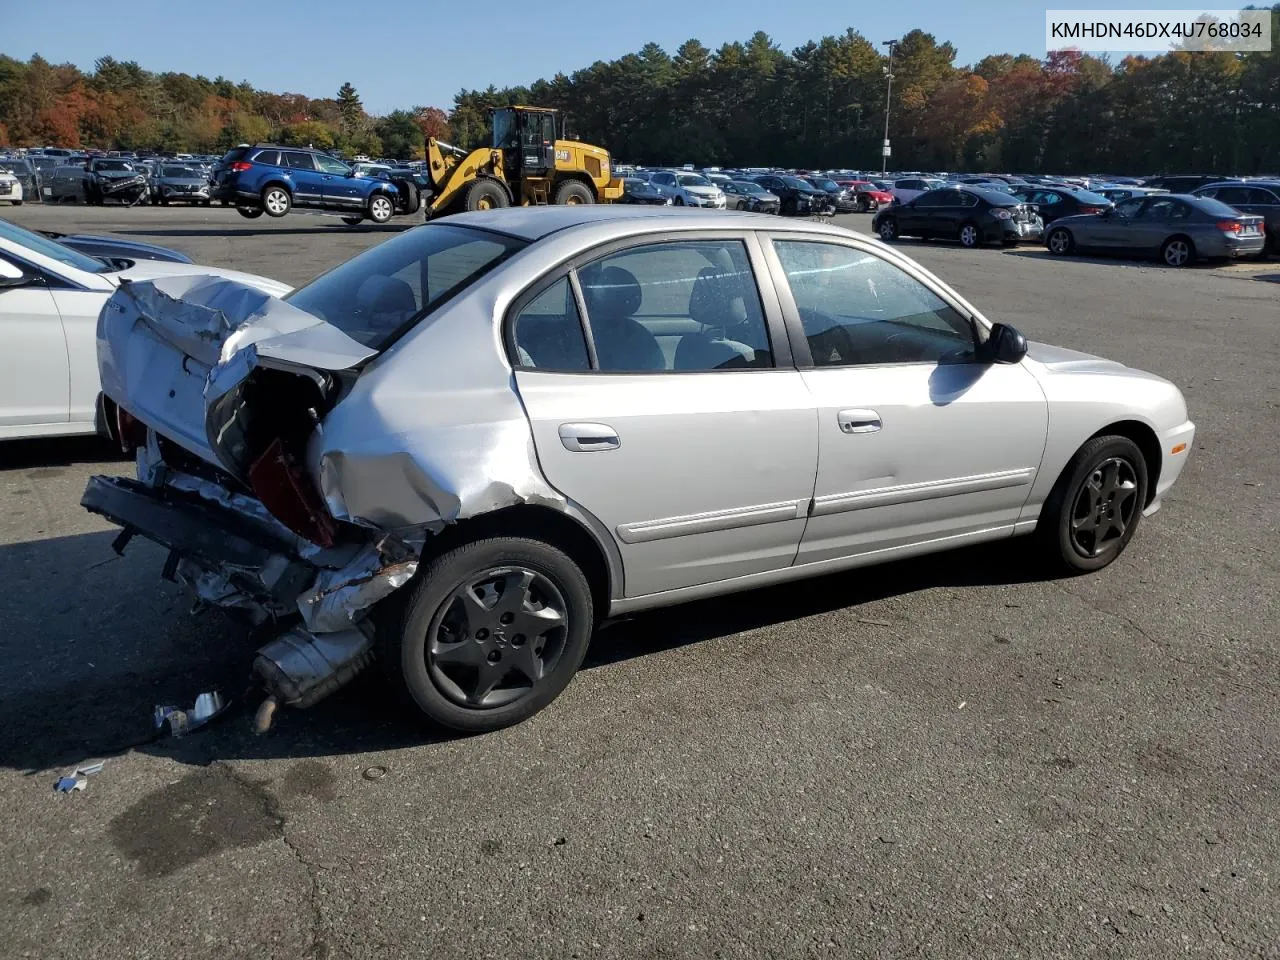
(300,668)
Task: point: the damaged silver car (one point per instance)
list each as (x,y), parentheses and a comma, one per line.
(460,450)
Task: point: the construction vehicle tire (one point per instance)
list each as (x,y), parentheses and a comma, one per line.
(574,191)
(486,194)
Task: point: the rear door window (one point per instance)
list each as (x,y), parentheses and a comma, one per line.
(547,332)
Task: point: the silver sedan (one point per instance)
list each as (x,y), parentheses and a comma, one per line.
(467,446)
(1176,227)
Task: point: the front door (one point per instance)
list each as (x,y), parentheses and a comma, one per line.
(33,354)
(338,185)
(917,442)
(677,425)
(1118,228)
(307,189)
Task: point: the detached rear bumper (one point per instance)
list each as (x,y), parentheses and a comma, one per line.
(252,559)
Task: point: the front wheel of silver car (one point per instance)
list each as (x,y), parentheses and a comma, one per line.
(1096,505)
(489,634)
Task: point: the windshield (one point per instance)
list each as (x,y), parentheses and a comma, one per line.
(185,173)
(50,248)
(693,180)
(826,184)
(381,293)
(795,183)
(749,186)
(13,166)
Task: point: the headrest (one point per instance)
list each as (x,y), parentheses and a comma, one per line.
(717,299)
(611,293)
(380,295)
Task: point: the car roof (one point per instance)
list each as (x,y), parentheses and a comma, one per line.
(534,223)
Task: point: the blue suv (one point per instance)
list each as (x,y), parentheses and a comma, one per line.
(271,179)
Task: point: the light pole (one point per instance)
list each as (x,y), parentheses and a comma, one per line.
(888,95)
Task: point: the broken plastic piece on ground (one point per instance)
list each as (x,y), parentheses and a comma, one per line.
(177,722)
(300,668)
(76,779)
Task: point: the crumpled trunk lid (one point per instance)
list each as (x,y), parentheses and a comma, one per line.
(175,352)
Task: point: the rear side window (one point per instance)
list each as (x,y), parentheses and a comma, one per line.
(270,158)
(548,331)
(232,155)
(1258,195)
(684,306)
(1215,208)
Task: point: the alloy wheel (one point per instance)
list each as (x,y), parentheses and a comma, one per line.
(1176,253)
(969,235)
(277,202)
(1059,242)
(381,209)
(497,636)
(888,229)
(1104,508)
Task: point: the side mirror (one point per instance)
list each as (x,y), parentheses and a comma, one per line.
(1004,345)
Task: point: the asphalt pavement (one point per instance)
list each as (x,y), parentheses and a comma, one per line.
(944,757)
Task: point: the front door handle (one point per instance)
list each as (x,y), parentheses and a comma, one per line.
(858,421)
(588,437)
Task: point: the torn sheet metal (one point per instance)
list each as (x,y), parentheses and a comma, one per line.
(337,597)
(300,668)
(177,722)
(76,780)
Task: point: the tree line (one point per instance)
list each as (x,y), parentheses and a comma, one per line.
(746,104)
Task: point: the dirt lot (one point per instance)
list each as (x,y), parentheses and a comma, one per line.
(932,758)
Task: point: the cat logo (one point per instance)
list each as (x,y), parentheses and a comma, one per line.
(562,155)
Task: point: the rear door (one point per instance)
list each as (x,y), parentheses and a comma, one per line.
(307,186)
(678,422)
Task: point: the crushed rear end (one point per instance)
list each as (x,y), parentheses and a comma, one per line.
(219,390)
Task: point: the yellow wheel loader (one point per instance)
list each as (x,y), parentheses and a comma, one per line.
(525,166)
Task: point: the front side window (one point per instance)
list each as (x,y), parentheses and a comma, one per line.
(1128,210)
(679,306)
(858,309)
(333,165)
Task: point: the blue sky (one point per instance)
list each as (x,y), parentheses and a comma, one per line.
(386,50)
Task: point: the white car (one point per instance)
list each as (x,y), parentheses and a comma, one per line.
(908,188)
(10,188)
(689,189)
(50,297)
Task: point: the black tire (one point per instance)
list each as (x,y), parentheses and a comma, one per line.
(1178,251)
(574,191)
(249,213)
(162,200)
(427,613)
(381,208)
(1071,529)
(204,203)
(276,201)
(486,194)
(353,221)
(788,208)
(678,202)
(1060,241)
(888,229)
(17,203)
(970,235)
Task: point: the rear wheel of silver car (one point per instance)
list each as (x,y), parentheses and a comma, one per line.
(276,201)
(491,633)
(249,213)
(888,229)
(1096,505)
(969,236)
(1178,252)
(1060,241)
(381,208)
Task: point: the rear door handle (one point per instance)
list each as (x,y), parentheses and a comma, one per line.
(858,421)
(588,437)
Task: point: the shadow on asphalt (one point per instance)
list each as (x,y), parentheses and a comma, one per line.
(58,710)
(57,451)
